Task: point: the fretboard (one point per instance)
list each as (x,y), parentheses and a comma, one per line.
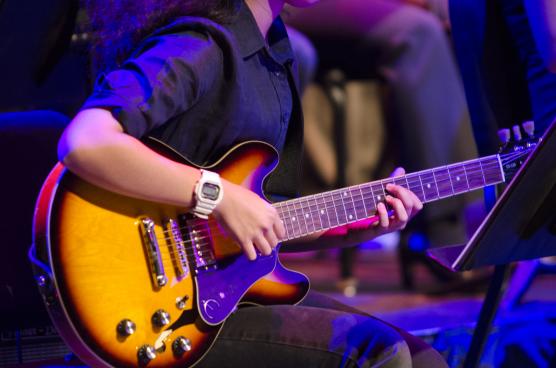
(323,211)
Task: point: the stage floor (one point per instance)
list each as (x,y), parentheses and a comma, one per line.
(444,314)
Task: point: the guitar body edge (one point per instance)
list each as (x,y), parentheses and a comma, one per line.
(41,263)
(93,272)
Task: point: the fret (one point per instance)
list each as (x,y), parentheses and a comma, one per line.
(306,212)
(474,175)
(416,186)
(482,172)
(378,193)
(300,215)
(368,196)
(339,207)
(451,182)
(466,177)
(401,181)
(458,178)
(443,183)
(364,200)
(284,216)
(323,213)
(383,183)
(293,219)
(331,210)
(314,211)
(358,202)
(492,171)
(429,186)
(349,206)
(313,205)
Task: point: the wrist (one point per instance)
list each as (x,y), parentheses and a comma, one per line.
(207,194)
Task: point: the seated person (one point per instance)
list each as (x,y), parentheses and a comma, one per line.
(210,77)
(406,47)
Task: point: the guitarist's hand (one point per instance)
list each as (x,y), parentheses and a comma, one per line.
(250,220)
(403,205)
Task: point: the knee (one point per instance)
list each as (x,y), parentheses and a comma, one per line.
(374,343)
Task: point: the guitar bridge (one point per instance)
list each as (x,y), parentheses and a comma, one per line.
(153,251)
(176,245)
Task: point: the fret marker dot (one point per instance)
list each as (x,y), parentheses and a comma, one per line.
(457,178)
(293,218)
(428,186)
(350,217)
(345,194)
(306,215)
(322,212)
(378,198)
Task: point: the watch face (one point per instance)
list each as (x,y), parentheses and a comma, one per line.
(210,191)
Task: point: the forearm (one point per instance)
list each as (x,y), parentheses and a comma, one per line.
(95,148)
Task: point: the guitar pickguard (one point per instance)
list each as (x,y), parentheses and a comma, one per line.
(220,289)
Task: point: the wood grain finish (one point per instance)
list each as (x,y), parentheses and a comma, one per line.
(90,239)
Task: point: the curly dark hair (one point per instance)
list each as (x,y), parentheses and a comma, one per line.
(117,25)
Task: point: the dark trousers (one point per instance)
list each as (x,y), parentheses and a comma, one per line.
(319,332)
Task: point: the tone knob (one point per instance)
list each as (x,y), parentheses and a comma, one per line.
(181,345)
(126,327)
(146,353)
(160,318)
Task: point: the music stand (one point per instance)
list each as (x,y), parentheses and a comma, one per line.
(520,226)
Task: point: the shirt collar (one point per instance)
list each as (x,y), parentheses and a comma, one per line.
(250,40)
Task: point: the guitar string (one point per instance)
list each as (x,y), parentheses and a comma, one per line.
(202,225)
(203,248)
(207,229)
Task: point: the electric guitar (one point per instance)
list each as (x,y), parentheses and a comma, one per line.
(129,282)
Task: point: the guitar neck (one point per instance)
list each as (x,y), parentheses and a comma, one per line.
(327,210)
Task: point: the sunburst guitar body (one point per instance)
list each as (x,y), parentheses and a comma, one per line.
(132,283)
(135,283)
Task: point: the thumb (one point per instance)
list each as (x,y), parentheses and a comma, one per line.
(399,171)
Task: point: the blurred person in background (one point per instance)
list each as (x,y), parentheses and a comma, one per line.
(404,44)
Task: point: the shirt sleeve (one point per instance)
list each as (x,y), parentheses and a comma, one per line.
(162,79)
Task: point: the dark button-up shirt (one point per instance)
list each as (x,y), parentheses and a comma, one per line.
(202,88)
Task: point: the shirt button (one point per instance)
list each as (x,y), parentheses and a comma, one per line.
(278,73)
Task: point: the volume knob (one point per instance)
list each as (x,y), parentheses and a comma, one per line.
(126,327)
(160,318)
(181,345)
(146,353)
